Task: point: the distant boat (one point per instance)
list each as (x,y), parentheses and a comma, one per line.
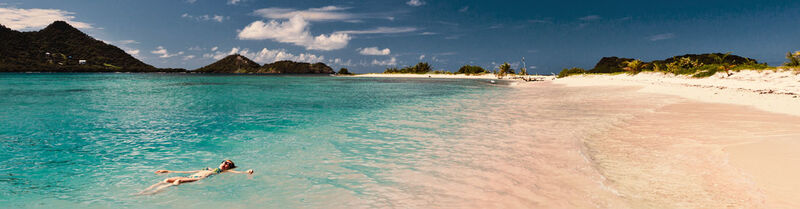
(492,82)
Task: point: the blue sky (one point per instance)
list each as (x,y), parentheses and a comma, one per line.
(368,36)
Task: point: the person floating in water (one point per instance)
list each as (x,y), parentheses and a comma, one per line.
(226,166)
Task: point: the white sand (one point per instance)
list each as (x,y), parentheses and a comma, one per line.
(664,141)
(728,151)
(458,76)
(766,90)
(381,75)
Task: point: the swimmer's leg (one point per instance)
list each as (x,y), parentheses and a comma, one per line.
(181,180)
(145,191)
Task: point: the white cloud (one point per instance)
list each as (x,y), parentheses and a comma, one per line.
(234,2)
(464,9)
(415,3)
(389,62)
(163,53)
(27,19)
(133,52)
(214,48)
(195,48)
(590,18)
(191,1)
(380,30)
(215,18)
(295,31)
(663,36)
(328,13)
(267,55)
(374,51)
(421,57)
(126,42)
(188,57)
(341,62)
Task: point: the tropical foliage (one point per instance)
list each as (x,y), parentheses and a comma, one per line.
(505,69)
(633,66)
(570,71)
(471,69)
(793,59)
(419,68)
(697,65)
(344,71)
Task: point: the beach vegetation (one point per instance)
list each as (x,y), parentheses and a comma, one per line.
(505,69)
(571,71)
(471,69)
(419,68)
(752,66)
(344,71)
(723,65)
(793,59)
(442,72)
(633,66)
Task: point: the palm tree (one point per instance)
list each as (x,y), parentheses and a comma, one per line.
(504,69)
(633,66)
(722,64)
(794,59)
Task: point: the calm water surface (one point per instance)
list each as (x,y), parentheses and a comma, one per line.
(91,140)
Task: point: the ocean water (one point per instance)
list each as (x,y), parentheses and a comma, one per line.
(93,140)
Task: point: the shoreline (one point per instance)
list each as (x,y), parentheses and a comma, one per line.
(450,76)
(771,91)
(722,142)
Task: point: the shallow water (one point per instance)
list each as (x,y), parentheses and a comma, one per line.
(91,140)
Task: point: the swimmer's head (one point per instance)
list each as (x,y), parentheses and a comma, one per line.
(227,164)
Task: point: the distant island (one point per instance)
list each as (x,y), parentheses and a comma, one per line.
(59,47)
(695,65)
(238,64)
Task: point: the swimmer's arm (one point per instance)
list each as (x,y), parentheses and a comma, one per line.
(168,171)
(247,172)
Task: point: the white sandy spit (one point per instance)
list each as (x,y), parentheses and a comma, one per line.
(399,75)
(774,91)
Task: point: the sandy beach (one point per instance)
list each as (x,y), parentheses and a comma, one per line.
(662,141)
(731,134)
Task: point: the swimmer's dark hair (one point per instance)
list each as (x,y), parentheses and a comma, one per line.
(230,162)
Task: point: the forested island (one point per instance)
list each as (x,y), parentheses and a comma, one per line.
(59,47)
(238,64)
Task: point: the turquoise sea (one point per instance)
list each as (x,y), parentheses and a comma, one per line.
(92,140)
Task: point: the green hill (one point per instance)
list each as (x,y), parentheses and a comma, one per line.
(240,64)
(615,64)
(289,67)
(231,64)
(59,47)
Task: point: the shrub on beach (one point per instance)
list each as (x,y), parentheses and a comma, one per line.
(793,59)
(505,68)
(471,69)
(344,71)
(634,66)
(570,71)
(419,68)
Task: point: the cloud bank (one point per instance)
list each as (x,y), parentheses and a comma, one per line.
(28,19)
